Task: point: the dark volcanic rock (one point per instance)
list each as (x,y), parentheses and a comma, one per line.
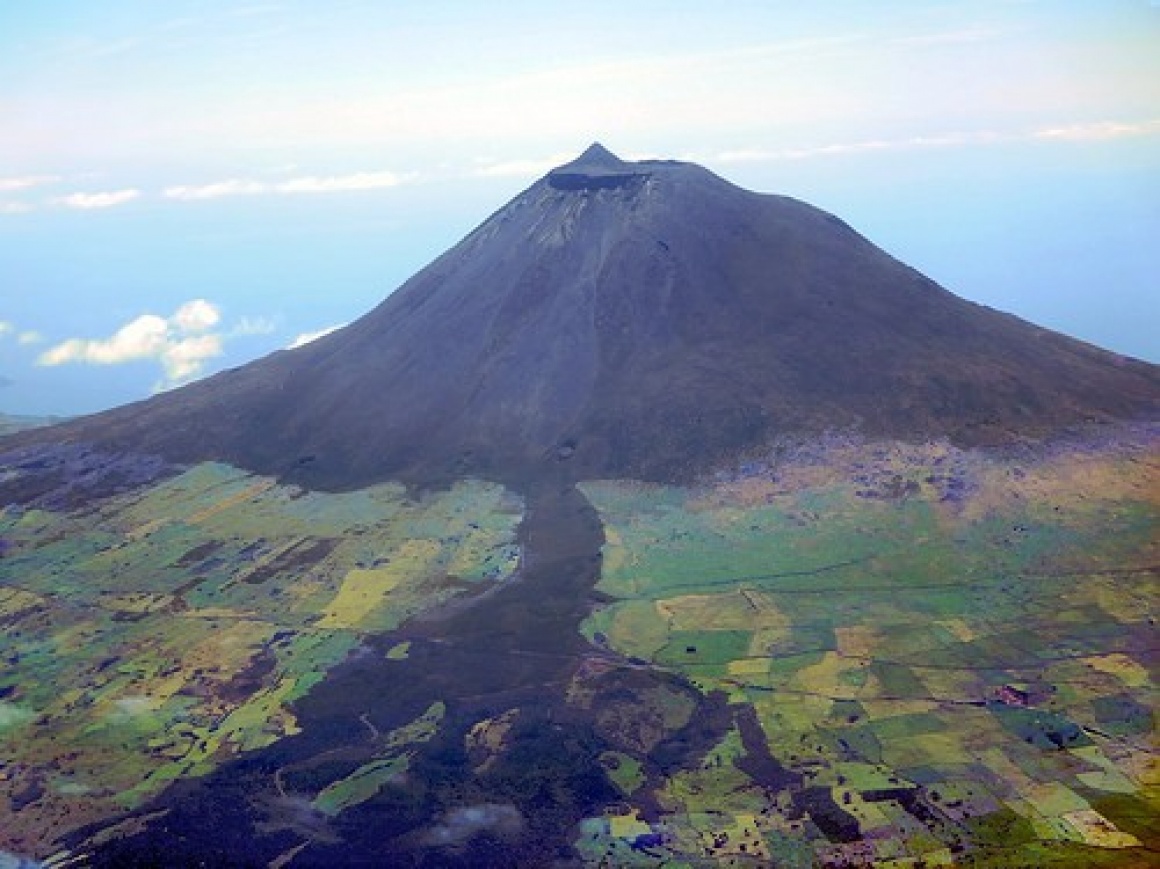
(638,319)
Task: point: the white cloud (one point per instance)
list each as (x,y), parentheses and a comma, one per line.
(1074,132)
(183,360)
(98,200)
(141,338)
(302,184)
(232,187)
(181,343)
(23,338)
(23,182)
(15,208)
(196,316)
(521,168)
(307,337)
(336,183)
(762,155)
(1098,131)
(254,326)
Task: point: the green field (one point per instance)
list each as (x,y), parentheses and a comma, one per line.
(154,636)
(960,679)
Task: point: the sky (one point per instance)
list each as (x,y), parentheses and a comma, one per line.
(189,185)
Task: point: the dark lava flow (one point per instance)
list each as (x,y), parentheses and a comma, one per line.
(518,648)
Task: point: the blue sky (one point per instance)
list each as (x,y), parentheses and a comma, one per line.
(185,186)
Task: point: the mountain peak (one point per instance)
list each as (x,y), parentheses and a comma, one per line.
(597,154)
(596,168)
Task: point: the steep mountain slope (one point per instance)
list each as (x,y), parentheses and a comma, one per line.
(634,319)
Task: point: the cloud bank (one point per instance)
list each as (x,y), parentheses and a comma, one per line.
(1098,131)
(302,184)
(181,343)
(769,150)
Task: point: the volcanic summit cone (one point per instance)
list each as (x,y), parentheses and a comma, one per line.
(643,319)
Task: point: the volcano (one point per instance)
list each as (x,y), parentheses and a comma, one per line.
(641,319)
(656,523)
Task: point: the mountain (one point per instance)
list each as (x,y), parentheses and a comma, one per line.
(657,523)
(643,319)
